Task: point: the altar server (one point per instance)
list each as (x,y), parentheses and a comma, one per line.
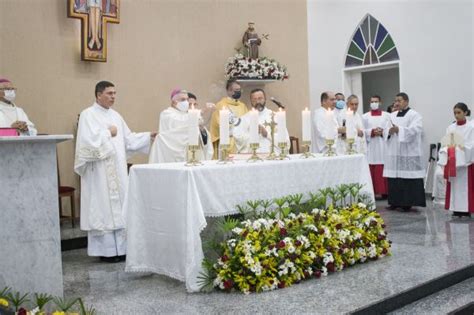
(458,165)
(103,144)
(375,122)
(171,144)
(242,131)
(12,116)
(403,158)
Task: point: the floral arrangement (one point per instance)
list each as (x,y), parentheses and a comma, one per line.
(241,67)
(286,241)
(35,304)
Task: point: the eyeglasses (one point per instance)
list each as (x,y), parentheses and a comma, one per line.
(8,89)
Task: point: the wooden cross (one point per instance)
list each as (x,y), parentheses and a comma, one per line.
(94,15)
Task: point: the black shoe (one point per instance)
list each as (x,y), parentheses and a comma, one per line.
(113,259)
(406,209)
(391,207)
(122,257)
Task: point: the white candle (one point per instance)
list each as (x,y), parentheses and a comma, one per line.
(253,115)
(306,119)
(193,126)
(224,126)
(331,129)
(350,125)
(280,119)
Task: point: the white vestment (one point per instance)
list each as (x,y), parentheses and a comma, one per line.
(9,113)
(376,146)
(360,144)
(171,143)
(242,134)
(101,161)
(464,157)
(403,158)
(319,127)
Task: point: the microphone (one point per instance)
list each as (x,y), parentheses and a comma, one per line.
(278,103)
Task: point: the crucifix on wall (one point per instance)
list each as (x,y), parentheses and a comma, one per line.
(94,15)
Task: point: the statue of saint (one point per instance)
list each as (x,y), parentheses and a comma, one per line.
(251,41)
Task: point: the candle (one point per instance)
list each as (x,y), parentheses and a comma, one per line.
(193,126)
(224,126)
(253,115)
(350,125)
(280,119)
(331,128)
(306,119)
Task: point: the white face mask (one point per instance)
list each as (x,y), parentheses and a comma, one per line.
(9,95)
(183,106)
(374,106)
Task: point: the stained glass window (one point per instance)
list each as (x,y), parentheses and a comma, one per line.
(371,44)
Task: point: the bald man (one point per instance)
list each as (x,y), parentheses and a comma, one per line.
(12,116)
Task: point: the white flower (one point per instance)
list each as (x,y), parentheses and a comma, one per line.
(256,225)
(312,227)
(237,230)
(291,249)
(311,254)
(292,216)
(362,205)
(324,271)
(328,258)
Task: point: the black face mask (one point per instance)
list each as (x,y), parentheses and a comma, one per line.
(236,95)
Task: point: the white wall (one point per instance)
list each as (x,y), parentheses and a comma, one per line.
(434,39)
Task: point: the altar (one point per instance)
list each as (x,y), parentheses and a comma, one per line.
(30,256)
(167,204)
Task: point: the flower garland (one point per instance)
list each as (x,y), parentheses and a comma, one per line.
(241,67)
(278,251)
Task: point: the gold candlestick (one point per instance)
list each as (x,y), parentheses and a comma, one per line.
(283,151)
(224,156)
(272,155)
(307,150)
(254,158)
(192,159)
(350,144)
(330,151)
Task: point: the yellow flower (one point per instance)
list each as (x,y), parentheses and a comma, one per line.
(58,313)
(3,302)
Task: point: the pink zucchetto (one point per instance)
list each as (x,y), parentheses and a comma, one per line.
(4,80)
(177,91)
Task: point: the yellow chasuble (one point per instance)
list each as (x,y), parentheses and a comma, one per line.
(238,109)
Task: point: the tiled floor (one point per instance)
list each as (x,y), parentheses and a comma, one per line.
(426,244)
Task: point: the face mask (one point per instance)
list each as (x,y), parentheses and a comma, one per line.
(183,106)
(374,106)
(260,107)
(10,95)
(236,95)
(340,104)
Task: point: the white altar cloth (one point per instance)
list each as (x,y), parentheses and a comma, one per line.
(166,204)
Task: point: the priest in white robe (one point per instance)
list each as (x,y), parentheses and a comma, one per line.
(103,144)
(375,122)
(350,118)
(242,130)
(403,159)
(324,124)
(12,116)
(171,144)
(458,163)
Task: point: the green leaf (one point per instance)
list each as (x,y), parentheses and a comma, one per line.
(64,304)
(17,299)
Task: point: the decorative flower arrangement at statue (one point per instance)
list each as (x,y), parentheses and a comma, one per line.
(247,64)
(278,249)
